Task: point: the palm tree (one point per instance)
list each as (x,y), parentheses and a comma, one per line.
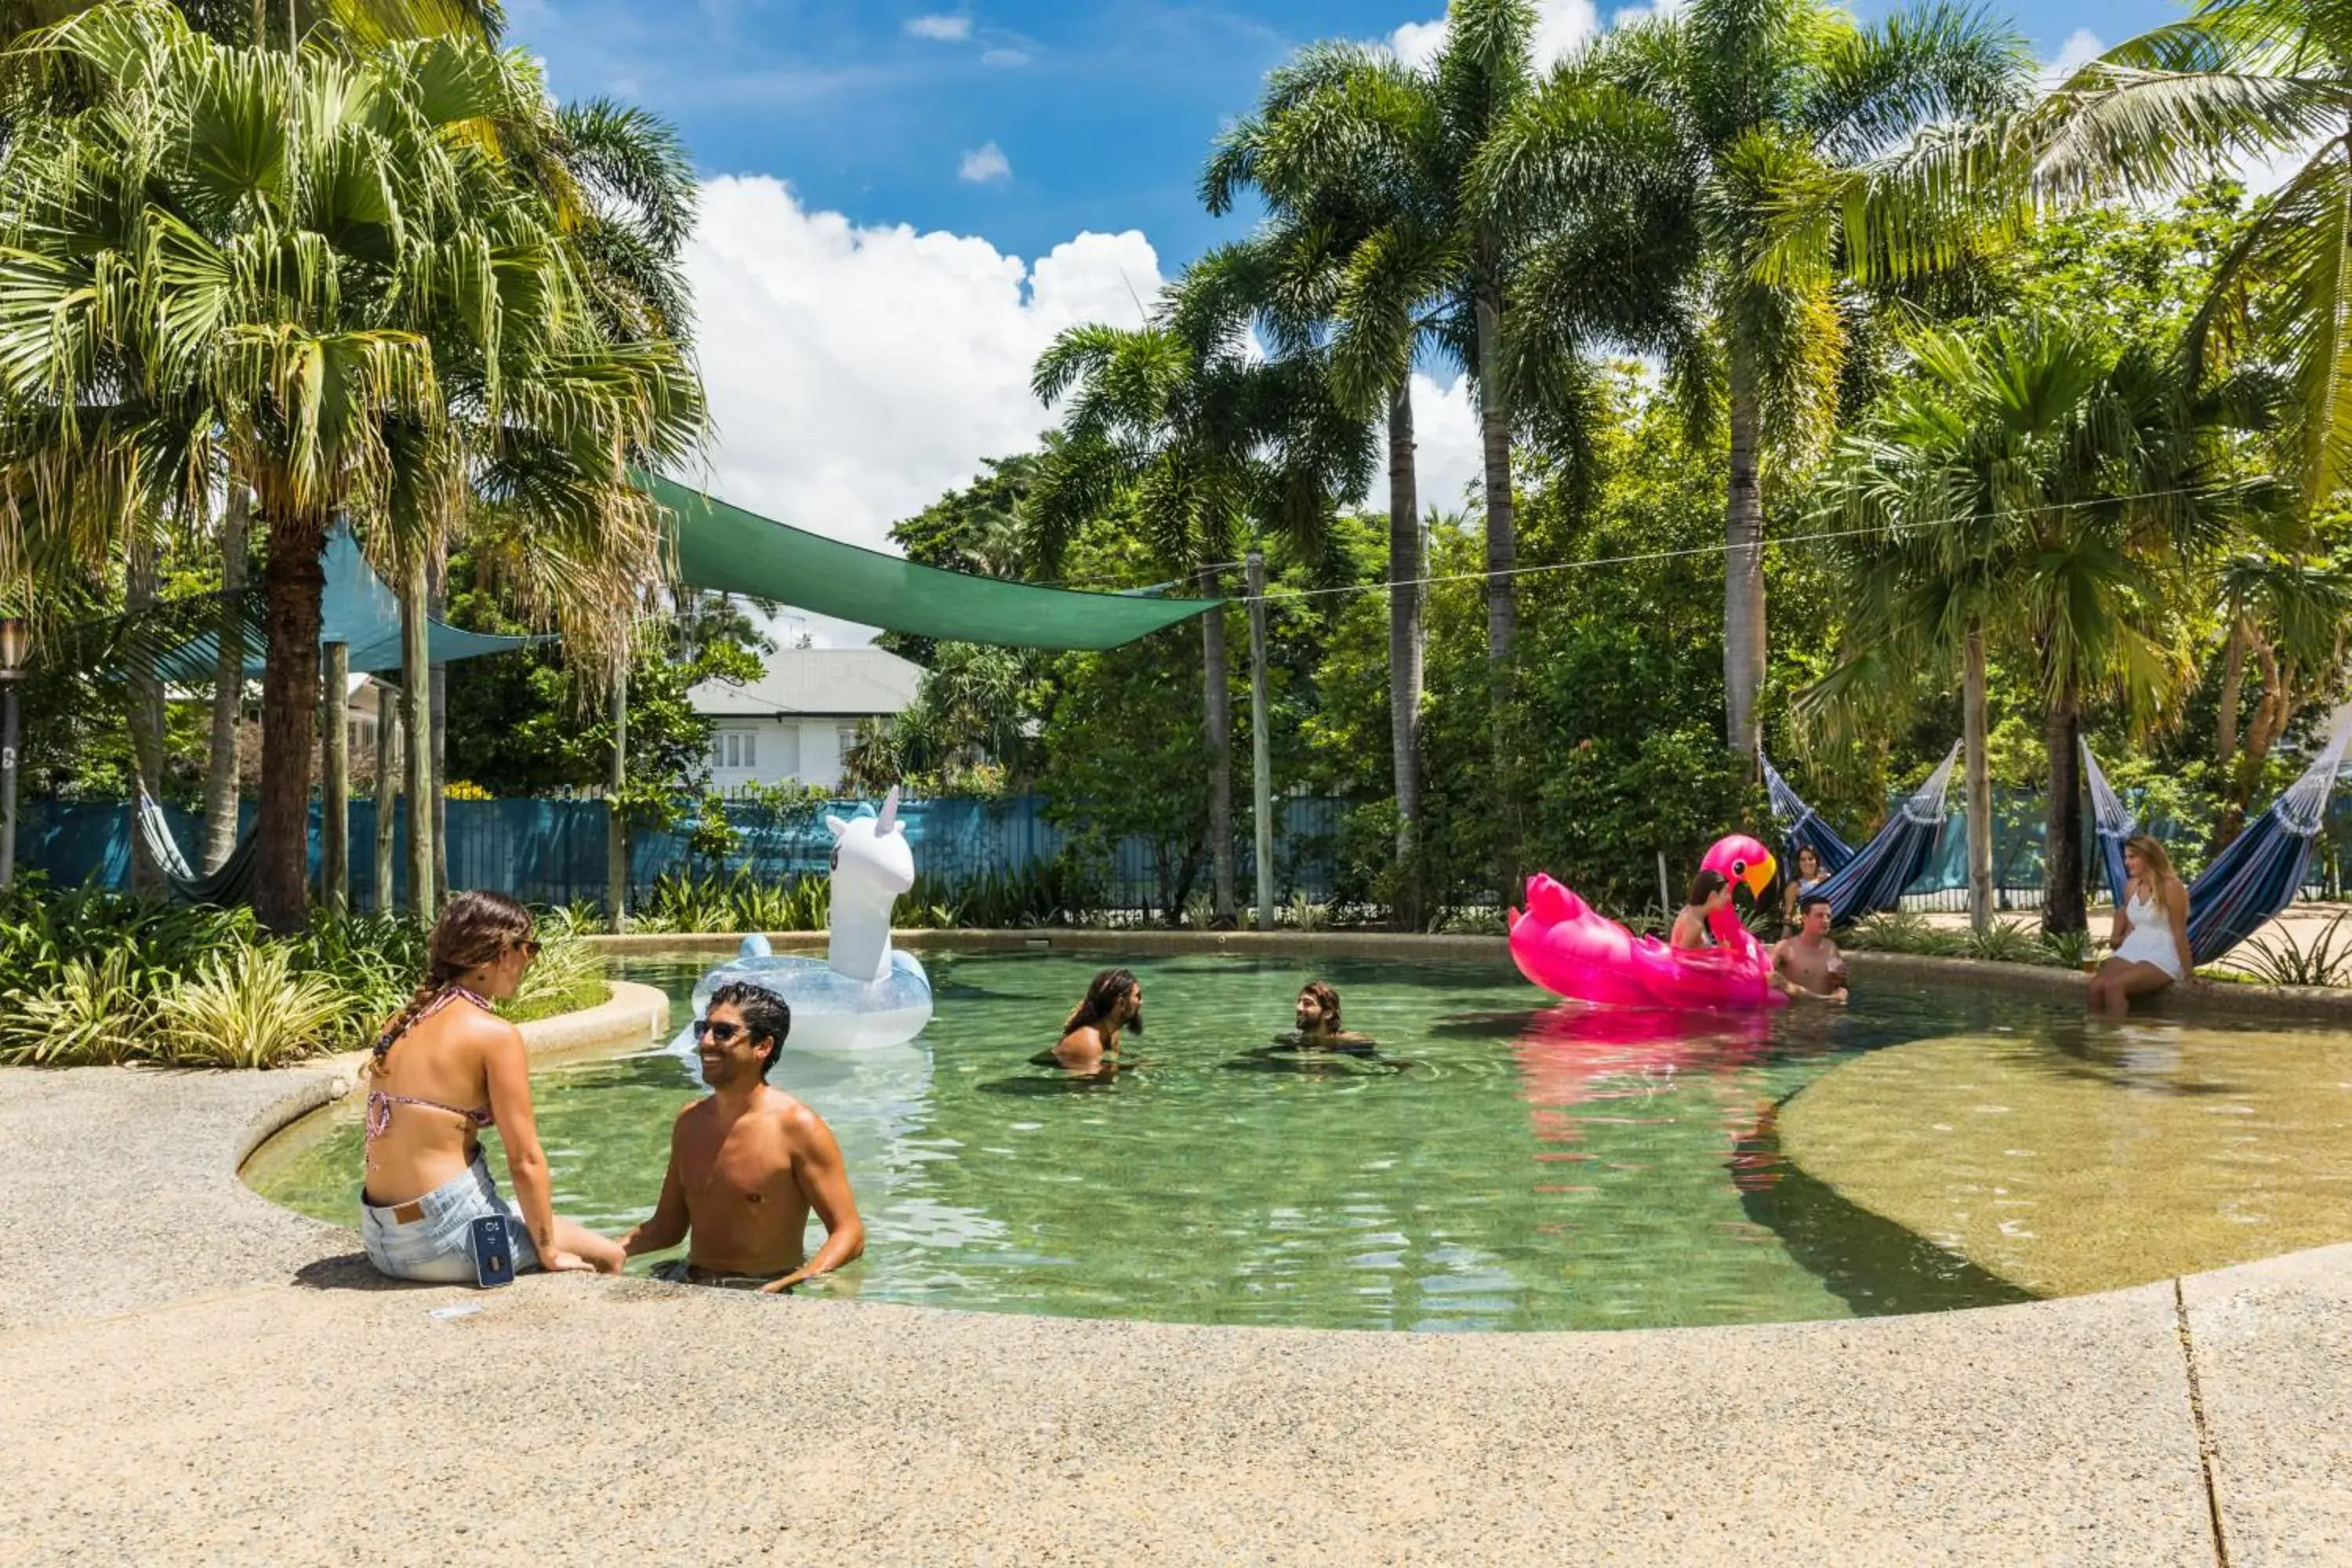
(2235,80)
(2033,487)
(311,270)
(1177,427)
(1679,159)
(1366,165)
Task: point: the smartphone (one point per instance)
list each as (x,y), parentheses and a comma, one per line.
(493,1252)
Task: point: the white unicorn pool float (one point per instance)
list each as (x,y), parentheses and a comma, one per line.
(864,994)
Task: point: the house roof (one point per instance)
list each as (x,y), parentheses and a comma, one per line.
(838,682)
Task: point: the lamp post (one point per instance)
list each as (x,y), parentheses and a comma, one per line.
(12,670)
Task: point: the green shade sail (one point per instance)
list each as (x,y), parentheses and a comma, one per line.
(727,550)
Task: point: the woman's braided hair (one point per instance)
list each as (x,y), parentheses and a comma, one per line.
(476,928)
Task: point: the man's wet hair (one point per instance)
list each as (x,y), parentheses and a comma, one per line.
(766,1016)
(1811,901)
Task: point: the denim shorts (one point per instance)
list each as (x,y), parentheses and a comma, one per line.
(436,1246)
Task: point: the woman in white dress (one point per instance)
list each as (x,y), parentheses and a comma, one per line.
(2151,931)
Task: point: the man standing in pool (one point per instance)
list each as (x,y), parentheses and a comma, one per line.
(749,1164)
(1113,1002)
(1318,1021)
(1808,966)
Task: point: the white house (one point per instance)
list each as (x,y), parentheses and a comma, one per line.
(795,721)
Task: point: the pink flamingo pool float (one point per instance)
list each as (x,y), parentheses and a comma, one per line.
(1571,950)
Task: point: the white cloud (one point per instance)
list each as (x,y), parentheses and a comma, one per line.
(946,28)
(1003,59)
(856,373)
(2081,47)
(1447,458)
(984,164)
(1560,26)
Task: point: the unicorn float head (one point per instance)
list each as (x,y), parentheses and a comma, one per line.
(873,867)
(867,995)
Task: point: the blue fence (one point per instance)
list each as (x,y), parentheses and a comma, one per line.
(553,851)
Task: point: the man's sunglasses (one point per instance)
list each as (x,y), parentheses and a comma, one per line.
(721,1032)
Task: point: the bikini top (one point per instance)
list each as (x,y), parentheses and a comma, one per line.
(379,1103)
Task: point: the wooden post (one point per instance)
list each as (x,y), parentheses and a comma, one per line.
(417,719)
(387,794)
(1261,743)
(616,831)
(335,786)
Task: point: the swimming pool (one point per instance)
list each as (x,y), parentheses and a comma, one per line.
(1499,1164)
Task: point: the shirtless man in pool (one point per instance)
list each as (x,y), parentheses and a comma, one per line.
(1808,966)
(749,1164)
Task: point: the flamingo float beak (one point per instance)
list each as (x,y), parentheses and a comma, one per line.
(1760,876)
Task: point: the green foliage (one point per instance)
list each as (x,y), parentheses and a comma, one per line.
(91,976)
(2280,959)
(250,1007)
(527,723)
(1900,930)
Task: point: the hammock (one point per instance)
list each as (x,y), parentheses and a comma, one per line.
(232,884)
(1802,827)
(1874,876)
(2253,879)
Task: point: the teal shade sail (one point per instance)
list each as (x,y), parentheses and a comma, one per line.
(727,550)
(360,612)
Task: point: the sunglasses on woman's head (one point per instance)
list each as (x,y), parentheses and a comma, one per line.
(719,1031)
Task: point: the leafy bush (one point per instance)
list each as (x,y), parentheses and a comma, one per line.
(250,1007)
(93,976)
(2004,941)
(90,1014)
(1900,930)
(2327,960)
(2068,949)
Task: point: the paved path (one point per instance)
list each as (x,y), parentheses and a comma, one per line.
(188,1374)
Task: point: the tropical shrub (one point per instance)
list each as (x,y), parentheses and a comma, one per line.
(2279,959)
(250,1007)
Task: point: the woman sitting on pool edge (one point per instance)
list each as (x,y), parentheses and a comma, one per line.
(458,1068)
(1709,891)
(2150,935)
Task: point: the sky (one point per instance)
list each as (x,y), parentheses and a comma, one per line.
(903,202)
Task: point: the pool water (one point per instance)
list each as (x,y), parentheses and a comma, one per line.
(1499,1164)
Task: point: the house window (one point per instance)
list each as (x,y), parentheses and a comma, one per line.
(734,749)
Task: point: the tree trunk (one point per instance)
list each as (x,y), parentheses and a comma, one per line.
(416,719)
(1743,567)
(1406,594)
(228,686)
(1217,716)
(616,826)
(292,579)
(438,606)
(1979,782)
(1502,531)
(2233,695)
(146,707)
(388,764)
(1502,585)
(335,786)
(2062,839)
(1260,747)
